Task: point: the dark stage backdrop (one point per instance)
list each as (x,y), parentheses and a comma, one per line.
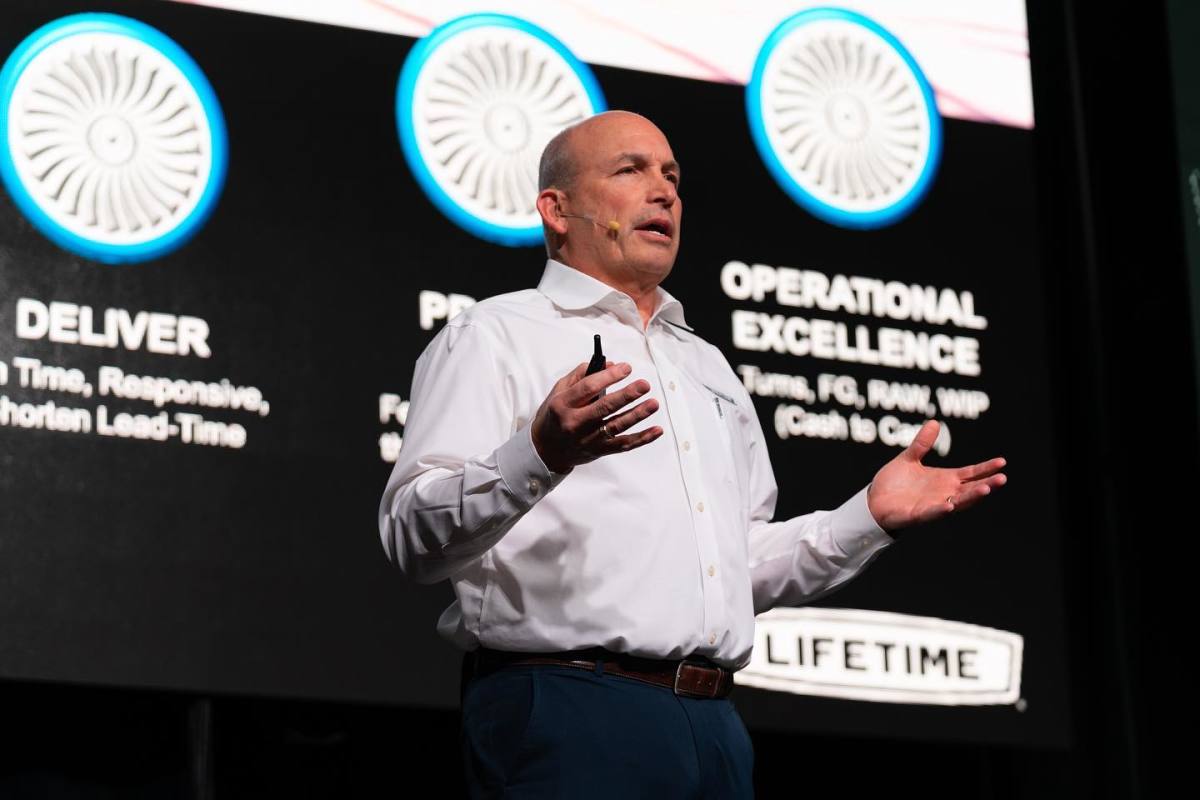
(223,538)
(1183,22)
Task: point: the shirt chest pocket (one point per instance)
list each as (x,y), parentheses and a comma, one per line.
(730,424)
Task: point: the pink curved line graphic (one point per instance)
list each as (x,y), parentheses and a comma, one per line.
(996,48)
(408,15)
(976,113)
(717,75)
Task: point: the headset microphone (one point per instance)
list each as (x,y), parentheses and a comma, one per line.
(612,226)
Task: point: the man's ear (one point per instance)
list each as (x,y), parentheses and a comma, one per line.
(550,206)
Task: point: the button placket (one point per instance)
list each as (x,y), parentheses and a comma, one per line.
(676,400)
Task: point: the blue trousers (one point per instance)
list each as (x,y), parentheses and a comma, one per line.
(537,731)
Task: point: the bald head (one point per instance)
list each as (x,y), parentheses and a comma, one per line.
(559,166)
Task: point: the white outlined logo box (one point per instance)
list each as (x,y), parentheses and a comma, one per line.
(881,656)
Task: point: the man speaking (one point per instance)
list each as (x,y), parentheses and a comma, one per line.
(610,536)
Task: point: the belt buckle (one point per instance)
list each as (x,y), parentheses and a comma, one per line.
(686,693)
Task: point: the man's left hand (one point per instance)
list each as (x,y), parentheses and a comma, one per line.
(905,492)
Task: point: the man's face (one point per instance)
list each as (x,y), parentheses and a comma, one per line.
(626,172)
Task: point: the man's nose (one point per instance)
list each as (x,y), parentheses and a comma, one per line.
(664,191)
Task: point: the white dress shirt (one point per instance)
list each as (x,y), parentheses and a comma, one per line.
(664,551)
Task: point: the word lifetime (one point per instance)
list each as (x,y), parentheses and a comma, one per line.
(862,655)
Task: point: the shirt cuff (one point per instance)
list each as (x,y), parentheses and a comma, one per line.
(855,530)
(522,469)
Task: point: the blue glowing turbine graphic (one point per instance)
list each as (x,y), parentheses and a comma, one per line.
(111,140)
(477,101)
(844,119)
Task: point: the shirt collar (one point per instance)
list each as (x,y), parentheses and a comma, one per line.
(571,289)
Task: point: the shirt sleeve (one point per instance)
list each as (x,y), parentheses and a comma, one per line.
(796,561)
(467,472)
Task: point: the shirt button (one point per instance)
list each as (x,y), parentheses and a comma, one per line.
(534,485)
(671,386)
(711,570)
(712,639)
(687,446)
(700,506)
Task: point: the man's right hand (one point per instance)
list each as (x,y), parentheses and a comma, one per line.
(574,426)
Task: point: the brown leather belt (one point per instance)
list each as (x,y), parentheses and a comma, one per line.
(691,677)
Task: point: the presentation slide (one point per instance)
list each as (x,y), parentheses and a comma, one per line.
(229,229)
